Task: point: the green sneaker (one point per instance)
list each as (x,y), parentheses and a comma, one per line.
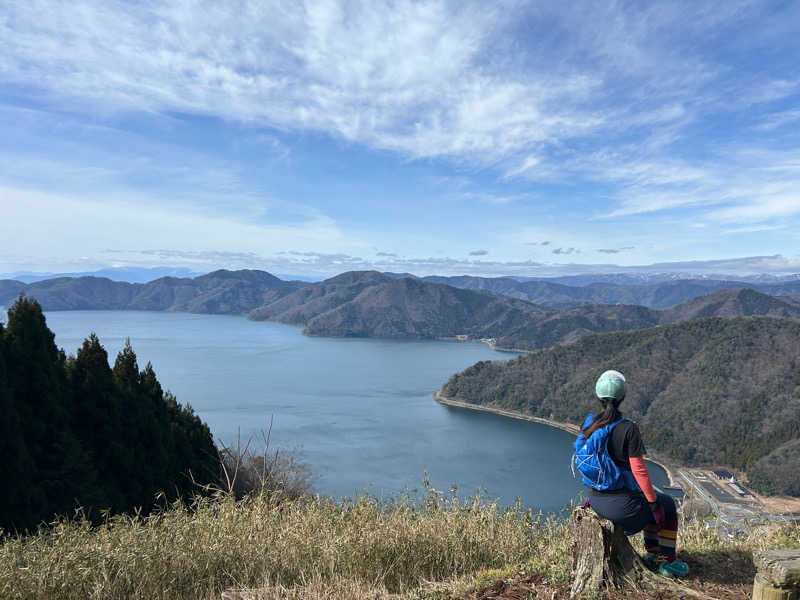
(650,559)
(676,568)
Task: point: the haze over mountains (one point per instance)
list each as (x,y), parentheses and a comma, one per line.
(372,304)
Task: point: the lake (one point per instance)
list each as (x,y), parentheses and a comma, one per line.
(361,410)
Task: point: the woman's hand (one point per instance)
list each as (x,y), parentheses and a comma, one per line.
(658,514)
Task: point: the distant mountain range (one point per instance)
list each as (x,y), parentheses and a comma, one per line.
(571,324)
(372,304)
(129,274)
(653,278)
(705,391)
(221,292)
(662,294)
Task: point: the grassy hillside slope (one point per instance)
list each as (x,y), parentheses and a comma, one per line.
(360,550)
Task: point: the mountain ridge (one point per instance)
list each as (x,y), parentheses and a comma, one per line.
(374,304)
(219,292)
(658,295)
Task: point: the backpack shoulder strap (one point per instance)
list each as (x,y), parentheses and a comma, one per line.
(587,422)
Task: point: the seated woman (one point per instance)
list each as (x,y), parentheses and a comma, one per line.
(610,453)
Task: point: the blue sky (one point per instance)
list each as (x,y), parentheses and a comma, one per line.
(526,138)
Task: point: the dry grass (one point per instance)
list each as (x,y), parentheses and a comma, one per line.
(197,551)
(306,549)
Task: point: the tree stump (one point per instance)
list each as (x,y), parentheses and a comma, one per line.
(603,559)
(778,575)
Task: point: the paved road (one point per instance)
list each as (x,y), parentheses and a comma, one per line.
(701,492)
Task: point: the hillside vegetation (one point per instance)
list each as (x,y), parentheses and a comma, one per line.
(705,391)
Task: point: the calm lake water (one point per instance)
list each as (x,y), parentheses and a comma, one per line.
(360,409)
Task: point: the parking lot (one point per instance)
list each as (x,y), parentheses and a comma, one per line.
(720,490)
(720,494)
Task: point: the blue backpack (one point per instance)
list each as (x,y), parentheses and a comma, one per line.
(596,466)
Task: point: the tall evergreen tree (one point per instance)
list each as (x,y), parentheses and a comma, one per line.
(96,418)
(156,438)
(20,491)
(37,379)
(126,379)
(193,446)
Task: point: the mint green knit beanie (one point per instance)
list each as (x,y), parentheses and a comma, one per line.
(611,384)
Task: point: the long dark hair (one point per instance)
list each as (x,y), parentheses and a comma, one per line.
(608,414)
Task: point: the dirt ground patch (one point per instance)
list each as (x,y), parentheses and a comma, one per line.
(778,505)
(521,587)
(726,577)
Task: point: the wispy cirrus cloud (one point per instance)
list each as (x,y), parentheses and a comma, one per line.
(410,77)
(778,119)
(763,208)
(424,79)
(614,250)
(754,228)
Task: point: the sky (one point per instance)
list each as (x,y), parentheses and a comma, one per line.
(502,138)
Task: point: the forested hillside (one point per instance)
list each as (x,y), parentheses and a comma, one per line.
(76,432)
(705,391)
(370,304)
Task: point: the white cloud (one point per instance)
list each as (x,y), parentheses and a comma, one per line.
(67,227)
(754,228)
(421,78)
(524,167)
(400,76)
(656,201)
(779,119)
(762,209)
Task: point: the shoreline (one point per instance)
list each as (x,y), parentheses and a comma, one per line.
(568,427)
(441,399)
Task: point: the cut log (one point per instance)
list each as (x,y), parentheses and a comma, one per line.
(778,575)
(603,559)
